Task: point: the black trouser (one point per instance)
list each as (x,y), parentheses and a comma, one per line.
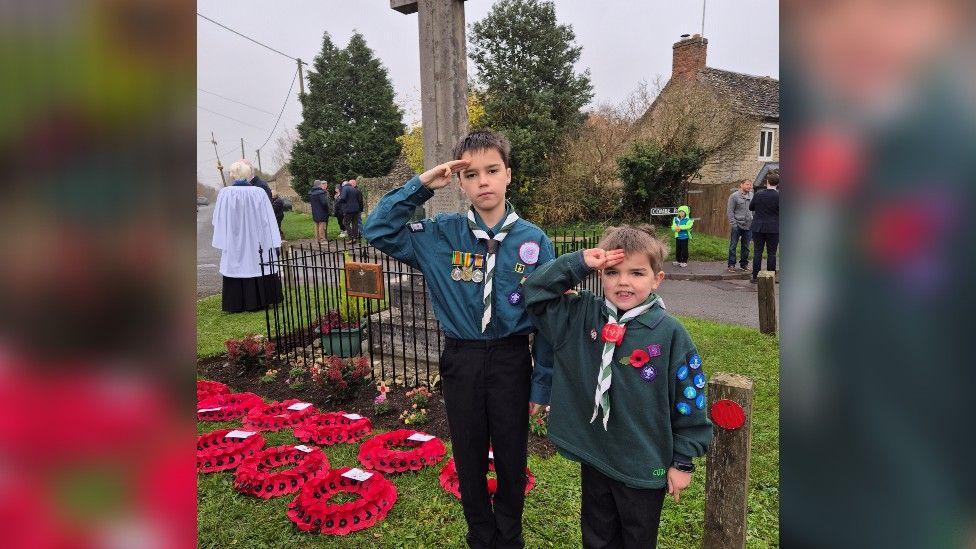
(614,515)
(771,242)
(681,250)
(340,219)
(486,393)
(352,226)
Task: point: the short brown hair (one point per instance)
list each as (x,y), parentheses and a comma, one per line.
(772,178)
(481,140)
(636,240)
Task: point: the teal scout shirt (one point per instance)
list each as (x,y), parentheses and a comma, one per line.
(657,415)
(430,245)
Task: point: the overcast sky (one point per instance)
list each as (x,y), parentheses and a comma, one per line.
(624,42)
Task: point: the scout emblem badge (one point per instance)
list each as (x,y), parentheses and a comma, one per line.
(529,252)
(478,275)
(456,263)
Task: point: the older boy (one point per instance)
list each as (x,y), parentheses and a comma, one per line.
(474,266)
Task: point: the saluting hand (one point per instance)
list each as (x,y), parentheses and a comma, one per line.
(597,258)
(440,175)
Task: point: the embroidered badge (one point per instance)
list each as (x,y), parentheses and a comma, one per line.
(529,252)
(694,362)
(659,472)
(683,408)
(700,401)
(519,268)
(648,373)
(690,393)
(699,381)
(593,334)
(514,298)
(416,227)
(682,373)
(654,350)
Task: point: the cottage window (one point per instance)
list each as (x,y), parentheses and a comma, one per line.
(766,143)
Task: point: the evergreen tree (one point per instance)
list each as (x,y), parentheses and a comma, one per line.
(531,93)
(350,122)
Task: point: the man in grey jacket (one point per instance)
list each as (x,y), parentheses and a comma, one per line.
(740,220)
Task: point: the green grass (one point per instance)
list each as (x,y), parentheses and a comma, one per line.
(426,516)
(703,247)
(299,226)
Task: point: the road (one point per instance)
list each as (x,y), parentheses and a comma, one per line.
(208,257)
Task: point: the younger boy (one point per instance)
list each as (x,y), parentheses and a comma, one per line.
(681,225)
(625,354)
(474,267)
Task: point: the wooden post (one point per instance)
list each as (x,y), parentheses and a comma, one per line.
(767,302)
(727,467)
(443,87)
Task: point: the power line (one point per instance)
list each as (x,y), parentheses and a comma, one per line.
(229,117)
(279,52)
(232,149)
(283,105)
(236,101)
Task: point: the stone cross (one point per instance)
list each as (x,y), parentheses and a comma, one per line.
(443,87)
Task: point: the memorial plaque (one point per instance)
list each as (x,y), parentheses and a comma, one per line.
(365,280)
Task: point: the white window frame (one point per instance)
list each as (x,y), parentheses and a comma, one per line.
(771,130)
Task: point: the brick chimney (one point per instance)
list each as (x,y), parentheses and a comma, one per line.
(689,56)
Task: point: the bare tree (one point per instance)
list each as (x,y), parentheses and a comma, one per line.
(284,144)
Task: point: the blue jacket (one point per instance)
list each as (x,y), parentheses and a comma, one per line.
(429,246)
(318,199)
(352,200)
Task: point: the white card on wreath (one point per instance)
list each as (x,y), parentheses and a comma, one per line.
(357,474)
(303,448)
(239,434)
(203,410)
(299,406)
(491,454)
(353,417)
(420,437)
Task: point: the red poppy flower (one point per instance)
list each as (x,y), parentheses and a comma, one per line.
(614,333)
(639,358)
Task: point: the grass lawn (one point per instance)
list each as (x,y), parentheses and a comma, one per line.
(299,226)
(703,247)
(426,516)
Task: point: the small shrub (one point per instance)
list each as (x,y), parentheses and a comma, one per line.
(414,416)
(341,377)
(539,423)
(420,397)
(249,353)
(268,377)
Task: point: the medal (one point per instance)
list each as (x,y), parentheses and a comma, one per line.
(456,263)
(466,273)
(479,261)
(477,276)
(514,298)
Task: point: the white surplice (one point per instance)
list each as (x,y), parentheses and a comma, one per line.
(244,222)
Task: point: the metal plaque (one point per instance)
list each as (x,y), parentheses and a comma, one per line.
(365,280)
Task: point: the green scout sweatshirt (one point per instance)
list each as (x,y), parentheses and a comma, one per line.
(653,421)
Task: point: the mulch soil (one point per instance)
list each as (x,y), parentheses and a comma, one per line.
(361,403)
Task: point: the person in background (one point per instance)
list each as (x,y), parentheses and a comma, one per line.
(352,204)
(340,216)
(765,224)
(318,200)
(740,220)
(278,205)
(681,225)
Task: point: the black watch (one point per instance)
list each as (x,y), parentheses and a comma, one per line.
(683,467)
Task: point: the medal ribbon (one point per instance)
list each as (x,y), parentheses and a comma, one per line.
(492,244)
(602,397)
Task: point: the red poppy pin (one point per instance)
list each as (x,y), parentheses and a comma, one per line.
(614,333)
(639,358)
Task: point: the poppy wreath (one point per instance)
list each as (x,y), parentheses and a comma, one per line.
(378,454)
(255,475)
(216,452)
(312,512)
(275,416)
(330,428)
(207,389)
(227,407)
(449,479)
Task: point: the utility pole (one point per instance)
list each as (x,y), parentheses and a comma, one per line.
(258,151)
(219,167)
(301,79)
(704,3)
(243,156)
